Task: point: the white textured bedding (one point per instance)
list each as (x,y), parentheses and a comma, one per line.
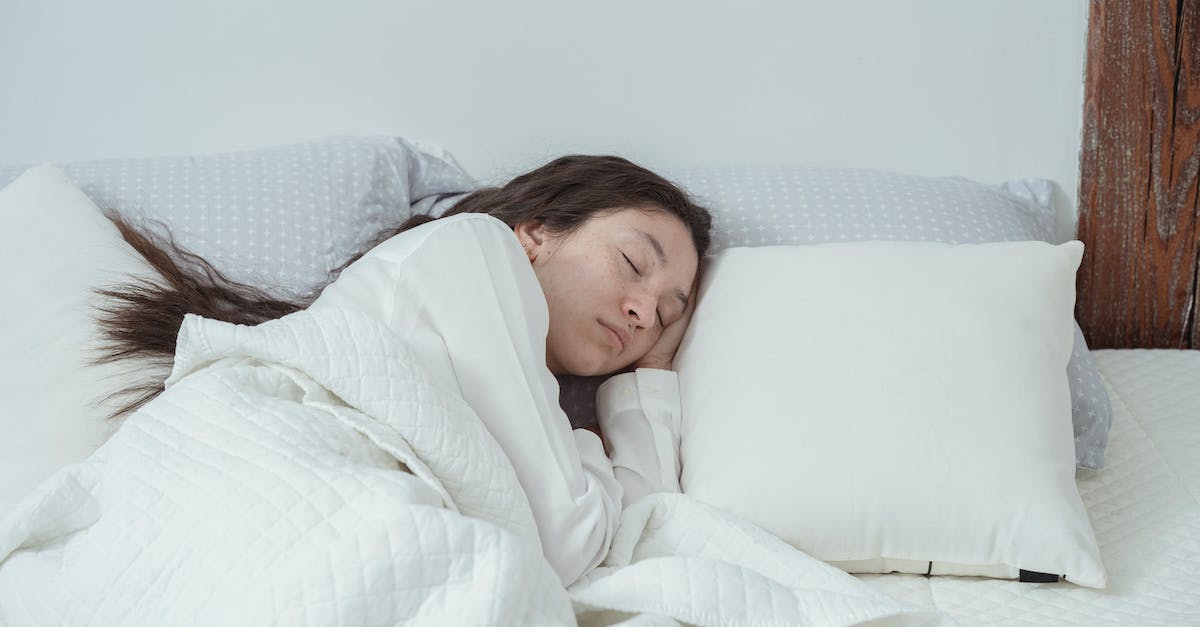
(1145,507)
(266,487)
(671,558)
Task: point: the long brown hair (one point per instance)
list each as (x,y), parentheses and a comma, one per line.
(141,319)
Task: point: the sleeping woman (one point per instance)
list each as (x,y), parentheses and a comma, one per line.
(584,266)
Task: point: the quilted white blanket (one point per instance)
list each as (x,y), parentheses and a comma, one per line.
(305,472)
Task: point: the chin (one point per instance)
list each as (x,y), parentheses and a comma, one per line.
(594,371)
(589,367)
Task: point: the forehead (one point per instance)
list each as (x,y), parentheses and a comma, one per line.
(642,226)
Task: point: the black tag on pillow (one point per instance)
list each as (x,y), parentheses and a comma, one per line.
(1029,576)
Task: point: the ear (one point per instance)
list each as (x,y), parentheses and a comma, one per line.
(532,236)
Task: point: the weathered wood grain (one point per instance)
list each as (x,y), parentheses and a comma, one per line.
(1140,175)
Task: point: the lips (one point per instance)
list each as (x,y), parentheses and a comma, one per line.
(619,337)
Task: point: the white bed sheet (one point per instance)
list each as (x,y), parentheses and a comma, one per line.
(1145,507)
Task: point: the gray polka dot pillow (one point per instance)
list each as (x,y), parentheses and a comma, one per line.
(764,206)
(279,217)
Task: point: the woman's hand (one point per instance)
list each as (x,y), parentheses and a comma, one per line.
(662,354)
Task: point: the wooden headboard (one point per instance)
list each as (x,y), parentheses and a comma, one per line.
(1139,213)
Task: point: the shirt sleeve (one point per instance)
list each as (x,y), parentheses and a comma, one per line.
(639,415)
(464,283)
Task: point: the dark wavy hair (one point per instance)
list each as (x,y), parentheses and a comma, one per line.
(141,319)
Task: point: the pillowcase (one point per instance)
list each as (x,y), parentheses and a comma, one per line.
(892,406)
(57,247)
(279,217)
(778,205)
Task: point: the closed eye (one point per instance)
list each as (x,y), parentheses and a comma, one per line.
(631,265)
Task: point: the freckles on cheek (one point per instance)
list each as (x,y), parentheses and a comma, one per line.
(603,271)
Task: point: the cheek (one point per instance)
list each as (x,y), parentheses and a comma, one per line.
(570,293)
(570,290)
(588,283)
(579,289)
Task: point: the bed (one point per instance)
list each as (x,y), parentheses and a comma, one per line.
(807,126)
(1135,479)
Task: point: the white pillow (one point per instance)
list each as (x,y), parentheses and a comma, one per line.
(892,406)
(56,247)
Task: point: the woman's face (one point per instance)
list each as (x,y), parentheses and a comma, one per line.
(611,286)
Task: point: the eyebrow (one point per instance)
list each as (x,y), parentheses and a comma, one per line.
(662,259)
(658,249)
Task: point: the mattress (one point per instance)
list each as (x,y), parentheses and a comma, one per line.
(1144,506)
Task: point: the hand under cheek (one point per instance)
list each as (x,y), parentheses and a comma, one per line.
(640,350)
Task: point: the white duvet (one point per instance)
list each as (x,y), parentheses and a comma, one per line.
(305,471)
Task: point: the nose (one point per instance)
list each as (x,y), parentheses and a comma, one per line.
(639,309)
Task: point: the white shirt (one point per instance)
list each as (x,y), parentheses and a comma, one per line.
(461,291)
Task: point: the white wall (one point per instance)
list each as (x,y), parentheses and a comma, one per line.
(989,89)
